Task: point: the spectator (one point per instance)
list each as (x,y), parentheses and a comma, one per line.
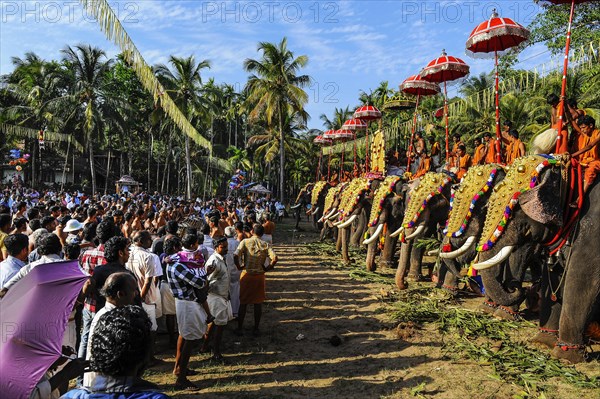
(17,246)
(121,340)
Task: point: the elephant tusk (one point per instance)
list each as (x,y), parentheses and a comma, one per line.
(333,216)
(326,216)
(348,222)
(416,233)
(397,232)
(433,252)
(456,253)
(295,206)
(498,258)
(374,236)
(315,211)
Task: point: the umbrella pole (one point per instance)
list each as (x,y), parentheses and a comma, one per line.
(561,141)
(342,162)
(498,134)
(320,161)
(446,116)
(367,148)
(354,149)
(329,164)
(412,133)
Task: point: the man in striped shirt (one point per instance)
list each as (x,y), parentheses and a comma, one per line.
(191,317)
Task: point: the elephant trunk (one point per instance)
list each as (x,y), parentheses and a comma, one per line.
(359,231)
(496,290)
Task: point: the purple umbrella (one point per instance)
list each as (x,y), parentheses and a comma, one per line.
(34,315)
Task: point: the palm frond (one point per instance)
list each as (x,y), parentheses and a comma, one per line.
(114,31)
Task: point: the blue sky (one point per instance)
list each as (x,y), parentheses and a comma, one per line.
(351,45)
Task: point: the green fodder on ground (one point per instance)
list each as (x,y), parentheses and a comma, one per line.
(468,334)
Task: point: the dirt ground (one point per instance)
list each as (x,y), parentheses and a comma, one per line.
(326,335)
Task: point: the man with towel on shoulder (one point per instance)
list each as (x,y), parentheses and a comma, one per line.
(254,252)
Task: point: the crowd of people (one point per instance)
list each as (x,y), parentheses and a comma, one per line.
(154,263)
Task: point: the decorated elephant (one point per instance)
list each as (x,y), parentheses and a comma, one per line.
(317,202)
(513,232)
(331,213)
(387,212)
(427,207)
(468,207)
(354,208)
(513,240)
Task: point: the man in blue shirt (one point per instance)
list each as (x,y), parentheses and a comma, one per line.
(17,246)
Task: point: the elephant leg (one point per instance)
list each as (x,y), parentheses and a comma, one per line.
(338,241)
(447,277)
(488,306)
(386,259)
(416,263)
(345,234)
(405,251)
(580,300)
(550,306)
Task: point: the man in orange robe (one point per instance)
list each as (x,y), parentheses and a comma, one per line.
(516,148)
(589,156)
(463,161)
(480,152)
(490,148)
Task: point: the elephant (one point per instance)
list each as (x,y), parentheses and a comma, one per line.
(354,209)
(465,222)
(330,213)
(317,201)
(428,205)
(506,252)
(568,302)
(387,211)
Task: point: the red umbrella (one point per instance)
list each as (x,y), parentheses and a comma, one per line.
(445,69)
(354,124)
(367,113)
(561,142)
(491,37)
(416,86)
(322,141)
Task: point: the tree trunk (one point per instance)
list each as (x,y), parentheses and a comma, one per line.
(121,164)
(130,156)
(92,167)
(107,168)
(149,158)
(188,168)
(34,163)
(281,157)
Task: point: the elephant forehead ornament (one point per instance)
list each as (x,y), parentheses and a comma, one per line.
(474,185)
(330,197)
(386,188)
(319,186)
(522,176)
(351,195)
(431,184)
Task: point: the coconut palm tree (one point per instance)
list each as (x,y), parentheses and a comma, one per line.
(88,96)
(184,84)
(276,90)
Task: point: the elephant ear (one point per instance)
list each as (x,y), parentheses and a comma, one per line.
(543,203)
